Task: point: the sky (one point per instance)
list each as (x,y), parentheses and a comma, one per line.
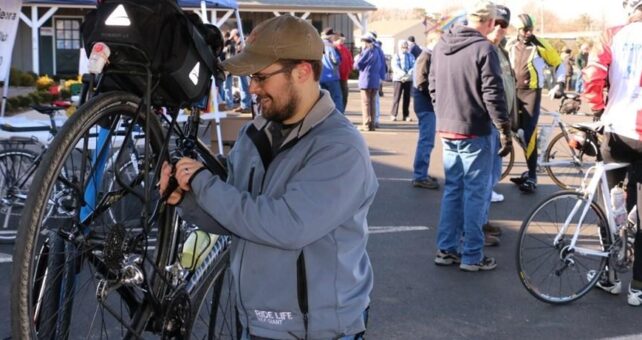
(610,10)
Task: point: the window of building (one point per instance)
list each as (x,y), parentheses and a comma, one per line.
(68,34)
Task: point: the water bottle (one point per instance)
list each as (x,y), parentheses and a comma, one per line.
(196,248)
(542,139)
(619,207)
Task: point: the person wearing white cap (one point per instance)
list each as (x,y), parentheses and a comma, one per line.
(464,61)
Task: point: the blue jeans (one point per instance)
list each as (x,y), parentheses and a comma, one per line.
(496,171)
(467,166)
(425,144)
(245,94)
(579,84)
(334,87)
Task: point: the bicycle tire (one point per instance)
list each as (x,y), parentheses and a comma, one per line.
(38,262)
(508,162)
(569,176)
(15,164)
(545,269)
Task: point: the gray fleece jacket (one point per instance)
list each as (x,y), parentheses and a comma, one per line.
(313,199)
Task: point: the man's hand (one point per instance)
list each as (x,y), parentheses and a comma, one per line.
(185,170)
(506,143)
(165,184)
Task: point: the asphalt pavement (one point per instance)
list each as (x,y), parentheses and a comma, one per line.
(415,299)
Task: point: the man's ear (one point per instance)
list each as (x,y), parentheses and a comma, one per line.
(302,72)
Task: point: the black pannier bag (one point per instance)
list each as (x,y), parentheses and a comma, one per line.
(182,51)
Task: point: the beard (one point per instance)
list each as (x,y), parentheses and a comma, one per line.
(277,111)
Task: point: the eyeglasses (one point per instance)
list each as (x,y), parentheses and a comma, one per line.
(260,78)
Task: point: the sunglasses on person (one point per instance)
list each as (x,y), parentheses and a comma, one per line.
(501,23)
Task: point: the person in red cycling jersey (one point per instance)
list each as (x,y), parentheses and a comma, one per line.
(614,65)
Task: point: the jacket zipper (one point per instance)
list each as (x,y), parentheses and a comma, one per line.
(247,318)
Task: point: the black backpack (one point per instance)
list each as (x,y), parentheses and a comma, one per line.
(180,50)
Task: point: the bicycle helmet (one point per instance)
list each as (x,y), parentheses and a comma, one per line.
(527,22)
(631,5)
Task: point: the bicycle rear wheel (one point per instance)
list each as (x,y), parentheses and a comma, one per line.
(554,273)
(69,269)
(567,166)
(16,170)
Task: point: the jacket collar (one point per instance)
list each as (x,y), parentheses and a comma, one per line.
(319,112)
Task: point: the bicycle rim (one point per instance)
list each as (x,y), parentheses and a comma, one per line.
(568,166)
(66,278)
(554,273)
(214,304)
(16,170)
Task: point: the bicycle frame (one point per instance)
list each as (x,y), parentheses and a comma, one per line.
(597,181)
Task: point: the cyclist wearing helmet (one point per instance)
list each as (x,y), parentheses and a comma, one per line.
(613,64)
(529,56)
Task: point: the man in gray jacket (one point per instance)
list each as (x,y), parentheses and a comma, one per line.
(466,87)
(299,188)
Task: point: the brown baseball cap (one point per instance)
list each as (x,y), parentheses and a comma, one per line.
(282,37)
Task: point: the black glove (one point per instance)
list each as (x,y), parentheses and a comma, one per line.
(505,139)
(597,114)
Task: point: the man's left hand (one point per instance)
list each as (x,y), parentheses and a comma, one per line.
(186,168)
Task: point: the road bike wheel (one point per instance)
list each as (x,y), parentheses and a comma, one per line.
(69,269)
(214,302)
(507,163)
(552,272)
(570,165)
(16,170)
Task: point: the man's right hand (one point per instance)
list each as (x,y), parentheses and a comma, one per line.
(167,173)
(506,143)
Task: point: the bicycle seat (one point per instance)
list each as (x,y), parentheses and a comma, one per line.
(47,110)
(571,95)
(588,126)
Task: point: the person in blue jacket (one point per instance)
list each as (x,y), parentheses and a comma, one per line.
(370,64)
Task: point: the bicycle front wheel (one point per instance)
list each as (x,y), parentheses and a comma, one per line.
(553,270)
(16,174)
(88,269)
(567,166)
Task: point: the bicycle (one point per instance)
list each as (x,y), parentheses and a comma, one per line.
(107,262)
(568,154)
(566,242)
(18,163)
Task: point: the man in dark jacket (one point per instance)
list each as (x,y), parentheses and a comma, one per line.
(465,84)
(413,48)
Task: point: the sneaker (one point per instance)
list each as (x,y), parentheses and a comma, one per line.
(487,263)
(604,284)
(634,298)
(496,197)
(393,118)
(408,119)
(492,230)
(445,258)
(428,183)
(490,240)
(528,187)
(521,179)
